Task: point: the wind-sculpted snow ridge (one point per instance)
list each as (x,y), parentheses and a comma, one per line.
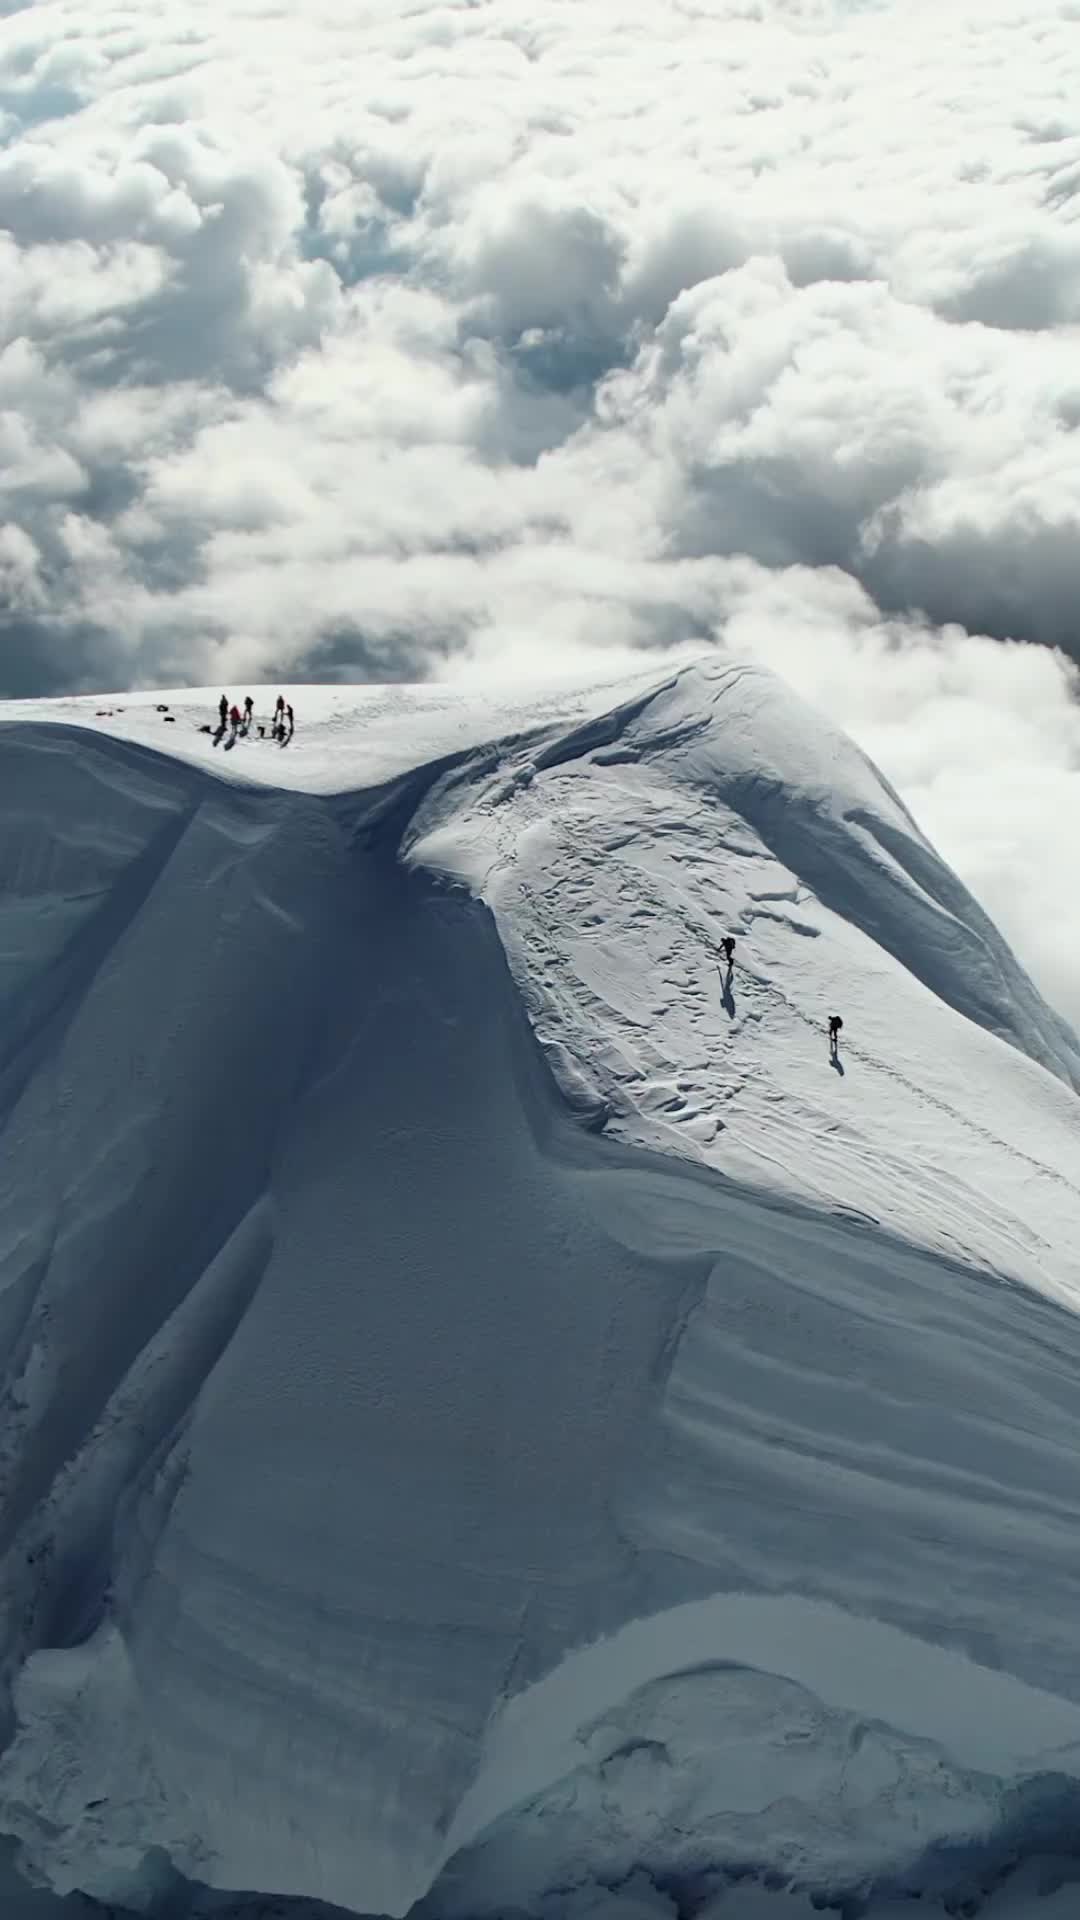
(616,859)
(636,1471)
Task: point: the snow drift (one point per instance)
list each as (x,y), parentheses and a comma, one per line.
(489,1410)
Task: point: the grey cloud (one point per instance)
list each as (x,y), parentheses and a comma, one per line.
(835,426)
(40,657)
(1013,586)
(1030,286)
(345,654)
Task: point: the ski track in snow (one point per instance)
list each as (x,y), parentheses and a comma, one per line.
(408,1496)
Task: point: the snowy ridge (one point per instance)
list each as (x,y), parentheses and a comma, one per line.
(409,1494)
(725,805)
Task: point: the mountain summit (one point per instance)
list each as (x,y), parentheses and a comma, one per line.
(497,1412)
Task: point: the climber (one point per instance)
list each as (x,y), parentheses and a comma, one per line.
(234,716)
(835,1024)
(728,948)
(223,710)
(249,708)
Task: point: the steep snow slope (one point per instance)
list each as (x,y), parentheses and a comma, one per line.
(725,806)
(408,1494)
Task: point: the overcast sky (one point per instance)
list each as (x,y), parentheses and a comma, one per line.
(375,338)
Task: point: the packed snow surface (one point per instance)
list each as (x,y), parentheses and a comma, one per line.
(492,1411)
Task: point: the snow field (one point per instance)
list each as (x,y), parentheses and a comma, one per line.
(437,1467)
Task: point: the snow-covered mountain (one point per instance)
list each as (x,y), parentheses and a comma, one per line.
(492,1411)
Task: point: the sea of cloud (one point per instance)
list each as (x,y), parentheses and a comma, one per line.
(385,338)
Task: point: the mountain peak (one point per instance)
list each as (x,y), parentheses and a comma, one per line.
(492,1400)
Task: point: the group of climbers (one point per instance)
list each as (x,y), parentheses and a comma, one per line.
(727,948)
(238,725)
